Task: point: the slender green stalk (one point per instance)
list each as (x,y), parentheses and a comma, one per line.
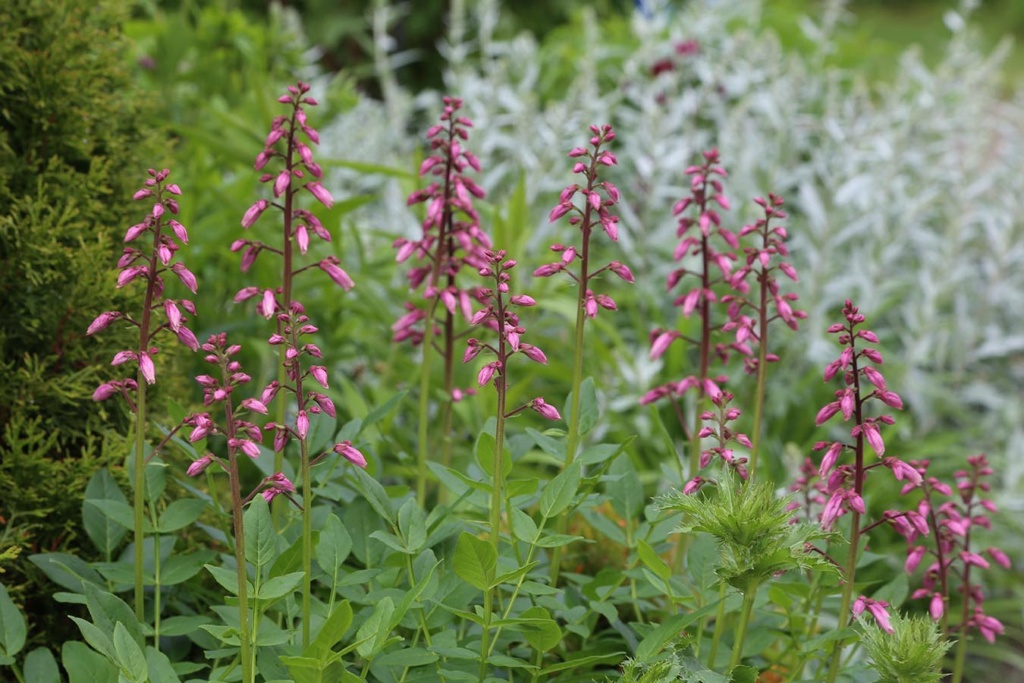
(960,659)
(423,432)
(139,498)
(741,630)
(245,635)
(307,541)
(719,626)
(762,376)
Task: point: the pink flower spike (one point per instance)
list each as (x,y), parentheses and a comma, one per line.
(254,405)
(147,368)
(198,466)
(253,213)
(267,304)
(102,321)
(914,559)
(999,557)
(281,182)
(881,615)
(544,409)
(486,373)
(319,373)
(346,450)
(936,607)
(321,194)
(105,391)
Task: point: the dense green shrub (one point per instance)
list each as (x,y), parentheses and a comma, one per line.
(75,139)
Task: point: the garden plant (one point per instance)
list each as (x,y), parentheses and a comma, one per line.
(412,453)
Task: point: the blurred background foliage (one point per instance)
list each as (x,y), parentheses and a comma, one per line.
(881,148)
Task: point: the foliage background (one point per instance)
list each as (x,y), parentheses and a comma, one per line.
(896,163)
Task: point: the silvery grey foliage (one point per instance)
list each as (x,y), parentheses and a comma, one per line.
(902,194)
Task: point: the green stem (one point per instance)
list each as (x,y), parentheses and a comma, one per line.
(961,650)
(762,376)
(248,672)
(307,541)
(423,433)
(843,617)
(140,497)
(719,626)
(741,632)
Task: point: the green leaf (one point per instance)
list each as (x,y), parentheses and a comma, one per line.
(485,448)
(180,568)
(12,625)
(412,526)
(156,478)
(159,667)
(588,406)
(539,629)
(120,513)
(603,452)
(390,540)
(129,655)
(667,631)
(582,661)
(374,494)
(331,631)
(228,579)
(85,665)
(279,586)
(507,662)
(514,575)
(108,610)
(260,537)
(523,526)
(367,168)
(98,639)
(333,548)
(744,674)
(375,629)
(105,533)
(381,411)
(560,491)
(475,561)
(626,492)
(557,540)
(180,514)
(321,428)
(67,571)
(653,561)
(551,446)
(408,657)
(41,667)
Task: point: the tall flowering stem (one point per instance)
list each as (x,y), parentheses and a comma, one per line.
(498,315)
(951,523)
(147,264)
(297,172)
(242,436)
(762,260)
(862,384)
(599,196)
(287,151)
(451,239)
(705,192)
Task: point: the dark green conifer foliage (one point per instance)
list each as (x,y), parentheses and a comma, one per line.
(75,139)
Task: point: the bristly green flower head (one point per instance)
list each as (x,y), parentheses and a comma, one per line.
(913,653)
(753,529)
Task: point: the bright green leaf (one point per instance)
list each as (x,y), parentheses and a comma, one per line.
(475,561)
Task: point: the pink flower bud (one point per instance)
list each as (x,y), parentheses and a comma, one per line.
(321,194)
(544,409)
(197,467)
(346,450)
(105,391)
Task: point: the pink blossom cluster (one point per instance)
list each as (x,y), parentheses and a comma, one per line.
(953,561)
(242,435)
(698,236)
(717,427)
(498,315)
(845,483)
(762,260)
(599,197)
(452,236)
(148,264)
(299,171)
